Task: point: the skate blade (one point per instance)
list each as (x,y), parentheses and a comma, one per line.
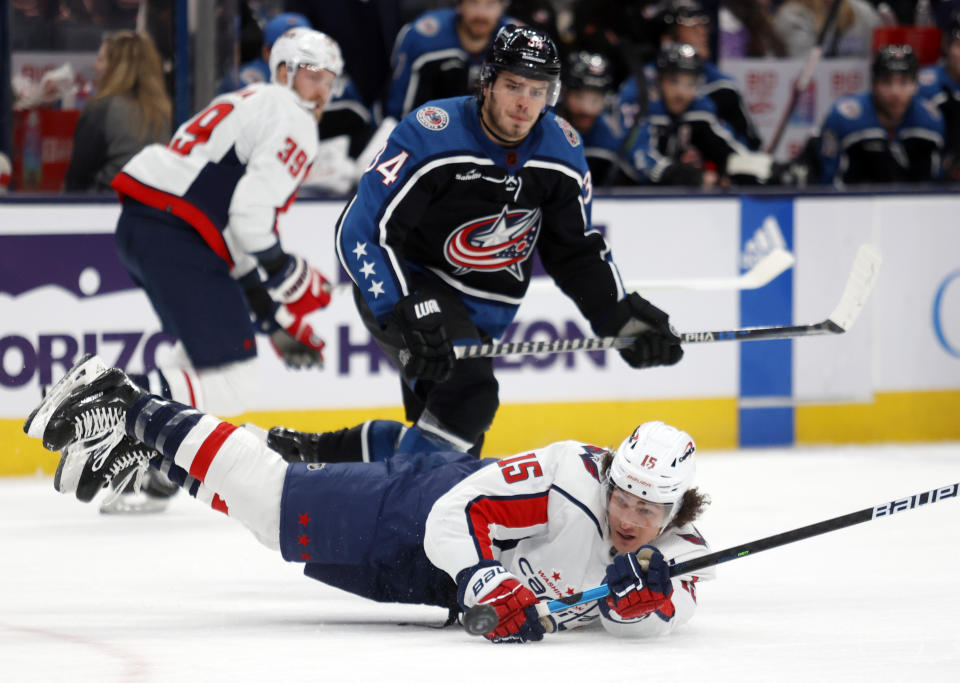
(134,504)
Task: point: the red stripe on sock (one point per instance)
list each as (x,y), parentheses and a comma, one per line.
(209,449)
(219,504)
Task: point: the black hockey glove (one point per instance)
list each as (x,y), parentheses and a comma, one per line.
(656,341)
(427,353)
(681,174)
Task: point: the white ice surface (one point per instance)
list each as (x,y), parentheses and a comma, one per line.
(189,595)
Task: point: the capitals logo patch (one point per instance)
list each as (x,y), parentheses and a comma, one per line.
(433,118)
(569,132)
(501,242)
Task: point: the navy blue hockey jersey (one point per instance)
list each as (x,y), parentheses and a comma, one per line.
(446,202)
(855,148)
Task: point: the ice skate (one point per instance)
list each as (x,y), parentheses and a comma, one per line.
(85,370)
(84,471)
(93,413)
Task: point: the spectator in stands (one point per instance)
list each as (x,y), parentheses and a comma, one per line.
(587,86)
(746,30)
(686,22)
(439,54)
(129,110)
(682,142)
(887,134)
(940,85)
(798,23)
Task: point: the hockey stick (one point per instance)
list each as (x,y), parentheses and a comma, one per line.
(803,80)
(763,272)
(861,281)
(481,619)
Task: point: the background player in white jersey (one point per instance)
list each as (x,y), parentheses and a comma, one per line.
(433,527)
(440,236)
(198,229)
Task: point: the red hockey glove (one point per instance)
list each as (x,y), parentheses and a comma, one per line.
(639,584)
(515,604)
(296,290)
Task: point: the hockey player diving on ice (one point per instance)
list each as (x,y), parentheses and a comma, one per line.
(436,527)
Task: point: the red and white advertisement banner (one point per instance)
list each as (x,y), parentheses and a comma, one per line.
(767,84)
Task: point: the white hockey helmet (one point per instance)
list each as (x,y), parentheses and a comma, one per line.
(656,464)
(301,46)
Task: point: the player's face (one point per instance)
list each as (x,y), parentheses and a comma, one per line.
(695,31)
(892,94)
(678,92)
(633,522)
(583,106)
(512,105)
(479,17)
(314,85)
(953,59)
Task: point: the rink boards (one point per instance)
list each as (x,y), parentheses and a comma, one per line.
(894,377)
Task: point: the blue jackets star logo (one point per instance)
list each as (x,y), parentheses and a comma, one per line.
(501,242)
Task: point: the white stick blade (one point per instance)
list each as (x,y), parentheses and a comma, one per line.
(866,266)
(767,269)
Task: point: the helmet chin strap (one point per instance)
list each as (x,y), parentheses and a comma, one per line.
(503,141)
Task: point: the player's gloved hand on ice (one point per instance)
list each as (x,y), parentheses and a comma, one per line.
(427,353)
(639,584)
(656,342)
(488,583)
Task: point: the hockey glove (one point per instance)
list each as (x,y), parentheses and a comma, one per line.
(490,584)
(427,353)
(656,341)
(639,584)
(292,292)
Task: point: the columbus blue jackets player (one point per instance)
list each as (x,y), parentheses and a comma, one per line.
(940,85)
(435,527)
(687,22)
(682,142)
(587,85)
(439,237)
(888,134)
(440,53)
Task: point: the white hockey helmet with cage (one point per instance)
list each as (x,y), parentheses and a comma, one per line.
(304,47)
(656,464)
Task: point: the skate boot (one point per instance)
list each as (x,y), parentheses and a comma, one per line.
(85,471)
(85,370)
(92,415)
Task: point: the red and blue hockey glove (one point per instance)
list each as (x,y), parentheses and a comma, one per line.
(490,584)
(639,585)
(656,341)
(427,353)
(294,290)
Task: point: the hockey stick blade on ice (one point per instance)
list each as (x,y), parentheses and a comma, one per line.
(763,272)
(480,616)
(866,266)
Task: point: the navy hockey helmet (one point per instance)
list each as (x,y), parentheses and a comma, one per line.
(684,13)
(588,70)
(678,58)
(894,59)
(527,52)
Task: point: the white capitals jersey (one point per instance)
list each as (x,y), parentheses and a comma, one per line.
(230,170)
(543,516)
